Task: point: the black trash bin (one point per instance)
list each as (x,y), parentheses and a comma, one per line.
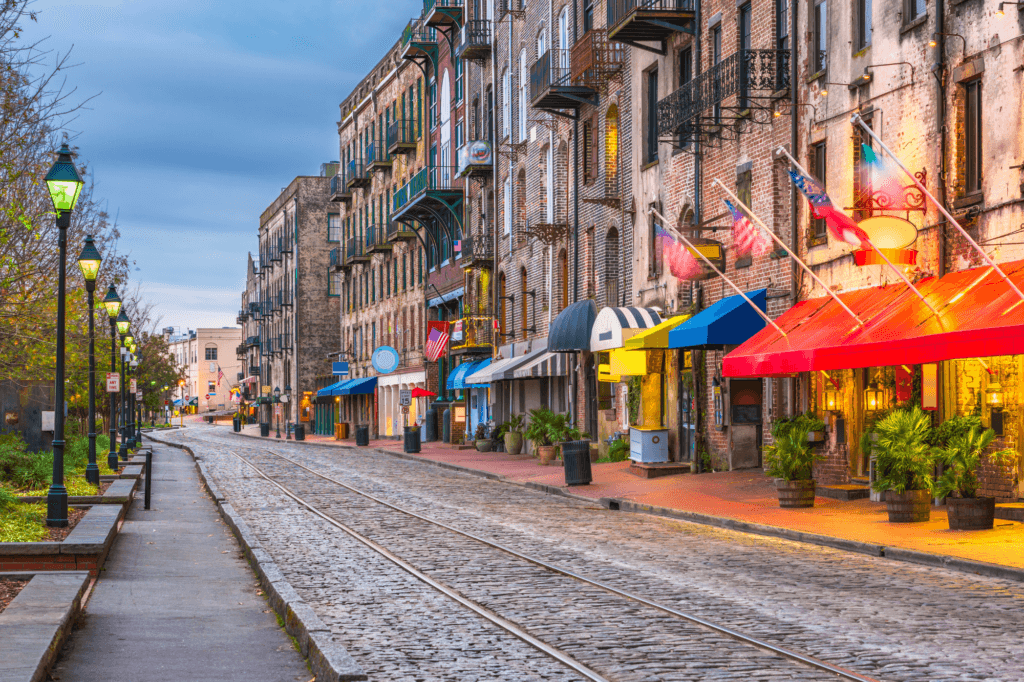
(236,424)
(362,435)
(412,439)
(264,429)
(576,456)
(431,425)
(300,432)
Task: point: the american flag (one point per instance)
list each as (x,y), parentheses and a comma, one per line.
(437,340)
(747,237)
(220,374)
(681,263)
(839,224)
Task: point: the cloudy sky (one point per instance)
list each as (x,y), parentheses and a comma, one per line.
(204,111)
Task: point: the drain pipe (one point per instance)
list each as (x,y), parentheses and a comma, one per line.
(794,238)
(940,121)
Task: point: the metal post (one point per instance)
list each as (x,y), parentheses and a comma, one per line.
(112,455)
(92,472)
(149,474)
(123,417)
(57,497)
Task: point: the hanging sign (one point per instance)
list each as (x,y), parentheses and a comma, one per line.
(138,395)
(929,387)
(385,359)
(339,369)
(113,382)
(134,386)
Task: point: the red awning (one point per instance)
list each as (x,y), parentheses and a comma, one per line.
(979,315)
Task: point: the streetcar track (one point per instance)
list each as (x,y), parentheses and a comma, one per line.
(736,635)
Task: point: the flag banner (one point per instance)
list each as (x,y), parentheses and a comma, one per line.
(747,237)
(885,180)
(437,340)
(220,374)
(681,262)
(840,225)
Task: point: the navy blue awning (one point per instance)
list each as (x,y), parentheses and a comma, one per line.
(570,330)
(363,386)
(329,391)
(728,322)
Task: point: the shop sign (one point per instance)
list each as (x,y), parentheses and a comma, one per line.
(930,387)
(718,405)
(134,387)
(457,331)
(113,382)
(265,390)
(138,395)
(385,359)
(339,369)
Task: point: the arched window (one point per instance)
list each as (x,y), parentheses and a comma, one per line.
(611,151)
(563,276)
(524,79)
(502,326)
(523,307)
(611,267)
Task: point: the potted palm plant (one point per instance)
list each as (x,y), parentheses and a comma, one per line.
(790,461)
(539,432)
(514,434)
(903,464)
(961,457)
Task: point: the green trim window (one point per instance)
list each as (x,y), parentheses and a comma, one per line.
(405,281)
(333,283)
(421,266)
(333,227)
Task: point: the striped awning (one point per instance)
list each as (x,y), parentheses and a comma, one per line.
(614,325)
(547,365)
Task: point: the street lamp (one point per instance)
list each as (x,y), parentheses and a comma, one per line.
(89,263)
(123,325)
(112,302)
(64,185)
(134,364)
(277,400)
(287,400)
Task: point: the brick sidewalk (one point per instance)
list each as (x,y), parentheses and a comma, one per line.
(746,496)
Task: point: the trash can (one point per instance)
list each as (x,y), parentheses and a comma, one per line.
(412,439)
(236,424)
(300,432)
(265,429)
(362,435)
(576,456)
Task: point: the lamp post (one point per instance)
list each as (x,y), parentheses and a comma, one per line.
(134,365)
(277,401)
(64,185)
(123,324)
(112,302)
(89,263)
(288,400)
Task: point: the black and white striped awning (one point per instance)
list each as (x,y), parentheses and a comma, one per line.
(547,365)
(611,323)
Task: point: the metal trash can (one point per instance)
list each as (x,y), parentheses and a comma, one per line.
(412,439)
(265,429)
(576,456)
(300,432)
(362,435)
(236,424)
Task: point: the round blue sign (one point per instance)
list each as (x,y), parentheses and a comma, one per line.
(385,359)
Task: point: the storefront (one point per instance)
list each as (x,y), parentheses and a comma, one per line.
(475,409)
(507,396)
(392,419)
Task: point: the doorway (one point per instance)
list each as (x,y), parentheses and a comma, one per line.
(745,439)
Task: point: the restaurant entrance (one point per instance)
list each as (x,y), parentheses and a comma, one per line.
(745,435)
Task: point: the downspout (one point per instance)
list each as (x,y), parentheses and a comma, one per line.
(575,232)
(794,112)
(493,128)
(697,297)
(940,125)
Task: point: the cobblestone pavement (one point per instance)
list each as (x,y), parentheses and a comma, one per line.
(890,620)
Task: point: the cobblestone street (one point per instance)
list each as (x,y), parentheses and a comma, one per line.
(881,619)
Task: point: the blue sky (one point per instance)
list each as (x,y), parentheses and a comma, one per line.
(204,111)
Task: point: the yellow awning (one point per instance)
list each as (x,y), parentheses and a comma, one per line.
(655,337)
(603,374)
(629,363)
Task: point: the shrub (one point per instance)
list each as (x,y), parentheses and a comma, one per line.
(790,457)
(961,457)
(618,451)
(7,499)
(903,457)
(481,432)
(21,468)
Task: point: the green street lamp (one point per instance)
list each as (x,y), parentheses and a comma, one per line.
(64,185)
(89,263)
(133,365)
(112,302)
(123,325)
(277,399)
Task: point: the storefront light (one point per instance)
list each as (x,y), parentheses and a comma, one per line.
(994,395)
(832,400)
(874,397)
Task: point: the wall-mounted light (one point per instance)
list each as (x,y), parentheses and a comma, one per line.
(994,394)
(832,400)
(935,39)
(999,12)
(874,397)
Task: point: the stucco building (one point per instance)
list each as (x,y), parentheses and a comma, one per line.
(211,366)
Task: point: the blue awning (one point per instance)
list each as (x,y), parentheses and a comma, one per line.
(457,377)
(363,386)
(177,403)
(329,391)
(479,366)
(570,330)
(728,322)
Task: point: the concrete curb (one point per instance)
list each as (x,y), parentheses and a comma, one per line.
(618,504)
(329,661)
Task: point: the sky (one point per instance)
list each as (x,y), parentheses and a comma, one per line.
(201,112)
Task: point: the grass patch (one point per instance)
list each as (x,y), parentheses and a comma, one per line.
(23,523)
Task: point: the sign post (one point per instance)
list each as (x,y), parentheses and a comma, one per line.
(113,382)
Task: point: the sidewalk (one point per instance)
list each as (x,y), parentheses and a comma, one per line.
(176,601)
(746,496)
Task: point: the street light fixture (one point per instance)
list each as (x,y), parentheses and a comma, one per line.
(64,185)
(89,263)
(123,325)
(277,400)
(112,302)
(134,364)
(287,400)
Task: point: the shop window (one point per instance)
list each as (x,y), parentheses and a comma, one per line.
(819,230)
(972,137)
(819,44)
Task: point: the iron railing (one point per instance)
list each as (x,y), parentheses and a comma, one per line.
(620,10)
(354,248)
(416,33)
(401,135)
(339,186)
(357,172)
(551,70)
(377,153)
(475,37)
(476,332)
(335,257)
(478,248)
(594,58)
(431,5)
(431,178)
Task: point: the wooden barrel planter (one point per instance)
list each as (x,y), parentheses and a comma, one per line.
(971,513)
(912,506)
(795,494)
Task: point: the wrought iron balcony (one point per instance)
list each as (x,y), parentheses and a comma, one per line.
(357,173)
(336,258)
(355,251)
(419,43)
(475,40)
(630,21)
(429,192)
(254,370)
(595,59)
(443,12)
(551,83)
(402,136)
(252,341)
(400,232)
(478,250)
(477,334)
(339,188)
(377,239)
(240,350)
(377,157)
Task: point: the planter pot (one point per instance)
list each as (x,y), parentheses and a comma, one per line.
(971,513)
(815,436)
(912,506)
(483,445)
(513,442)
(546,454)
(795,494)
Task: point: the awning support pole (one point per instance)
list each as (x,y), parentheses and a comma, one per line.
(778,240)
(857,120)
(728,281)
(899,273)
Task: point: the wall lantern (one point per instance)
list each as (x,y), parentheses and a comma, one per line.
(994,395)
(832,400)
(874,397)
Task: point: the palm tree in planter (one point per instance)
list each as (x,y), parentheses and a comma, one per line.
(790,461)
(513,436)
(903,464)
(961,457)
(540,431)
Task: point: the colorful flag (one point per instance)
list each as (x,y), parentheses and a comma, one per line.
(885,180)
(437,340)
(839,224)
(220,374)
(747,237)
(681,262)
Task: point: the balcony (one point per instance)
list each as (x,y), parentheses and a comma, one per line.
(358,174)
(240,350)
(336,258)
(419,44)
(475,40)
(551,83)
(285,244)
(377,239)
(254,370)
(377,157)
(355,251)
(284,342)
(252,342)
(400,232)
(631,21)
(477,335)
(443,13)
(428,193)
(478,250)
(339,189)
(402,137)
(476,158)
(595,59)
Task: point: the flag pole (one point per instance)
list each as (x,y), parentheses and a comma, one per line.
(717,271)
(881,255)
(778,240)
(857,120)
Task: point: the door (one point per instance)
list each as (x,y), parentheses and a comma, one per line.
(745,424)
(590,397)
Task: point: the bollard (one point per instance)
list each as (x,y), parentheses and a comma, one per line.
(149,474)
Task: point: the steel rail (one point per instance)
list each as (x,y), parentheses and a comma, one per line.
(697,620)
(504,624)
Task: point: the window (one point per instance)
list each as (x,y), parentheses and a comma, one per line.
(211,387)
(651,137)
(489,113)
(655,257)
(589,169)
(211,353)
(334,284)
(685,76)
(588,15)
(782,24)
(523,307)
(819,44)
(333,227)
(819,233)
(433,105)
(508,205)
(611,268)
(744,191)
(862,189)
(743,29)
(524,78)
(716,57)
(863,23)
(506,104)
(972,137)
(913,9)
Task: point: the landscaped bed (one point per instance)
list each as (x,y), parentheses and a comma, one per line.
(27,523)
(9,589)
